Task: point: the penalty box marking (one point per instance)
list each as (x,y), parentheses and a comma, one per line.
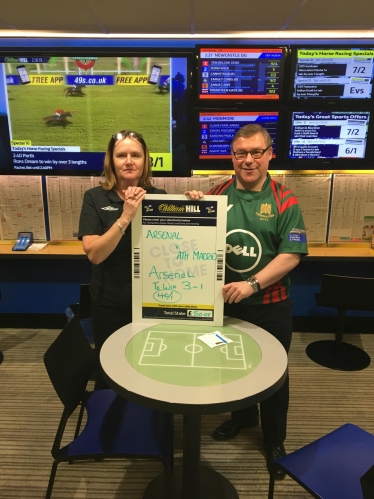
(149,347)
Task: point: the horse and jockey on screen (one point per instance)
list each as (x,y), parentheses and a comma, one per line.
(75,91)
(59,118)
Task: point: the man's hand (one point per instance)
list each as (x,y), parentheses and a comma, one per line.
(234,292)
(194,194)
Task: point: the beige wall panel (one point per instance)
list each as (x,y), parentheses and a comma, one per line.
(242,15)
(96,16)
(143,16)
(52,15)
(332,14)
(185,17)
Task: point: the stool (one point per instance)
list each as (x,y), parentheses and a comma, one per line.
(343,293)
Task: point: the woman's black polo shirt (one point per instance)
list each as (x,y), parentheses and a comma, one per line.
(111,279)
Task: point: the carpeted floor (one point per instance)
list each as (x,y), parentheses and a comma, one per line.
(321,400)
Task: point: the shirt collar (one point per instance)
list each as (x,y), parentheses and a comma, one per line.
(244,193)
(114,197)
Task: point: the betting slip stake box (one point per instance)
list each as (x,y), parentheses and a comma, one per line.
(179,248)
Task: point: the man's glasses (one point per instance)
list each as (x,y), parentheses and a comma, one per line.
(127,133)
(256,153)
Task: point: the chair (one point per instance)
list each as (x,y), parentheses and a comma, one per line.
(332,466)
(343,293)
(115,427)
(83,310)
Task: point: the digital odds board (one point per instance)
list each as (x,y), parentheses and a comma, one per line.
(240,73)
(333,73)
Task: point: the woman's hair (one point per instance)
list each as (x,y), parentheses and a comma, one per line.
(109,170)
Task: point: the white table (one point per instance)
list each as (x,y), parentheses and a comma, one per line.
(192,401)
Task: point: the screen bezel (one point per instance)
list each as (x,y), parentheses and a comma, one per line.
(214,164)
(178,170)
(324,100)
(234,101)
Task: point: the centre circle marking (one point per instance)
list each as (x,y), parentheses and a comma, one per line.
(193,348)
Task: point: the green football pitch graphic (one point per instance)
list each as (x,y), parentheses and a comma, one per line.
(174,354)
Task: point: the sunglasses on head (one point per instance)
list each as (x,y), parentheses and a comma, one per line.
(127,133)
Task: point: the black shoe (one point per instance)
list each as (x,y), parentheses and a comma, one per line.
(229,429)
(272,454)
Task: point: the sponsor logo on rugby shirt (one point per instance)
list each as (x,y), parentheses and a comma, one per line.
(243,250)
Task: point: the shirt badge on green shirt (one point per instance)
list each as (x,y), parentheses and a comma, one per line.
(265,211)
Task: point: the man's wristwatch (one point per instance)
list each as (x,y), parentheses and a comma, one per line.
(252,281)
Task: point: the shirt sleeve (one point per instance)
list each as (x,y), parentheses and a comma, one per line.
(89,221)
(292,233)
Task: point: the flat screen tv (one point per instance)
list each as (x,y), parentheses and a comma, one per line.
(58,111)
(240,73)
(216,129)
(332,73)
(340,139)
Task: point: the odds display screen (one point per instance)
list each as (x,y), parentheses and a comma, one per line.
(240,73)
(62,120)
(217,129)
(333,73)
(329,135)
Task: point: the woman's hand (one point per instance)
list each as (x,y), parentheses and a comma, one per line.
(133,197)
(194,194)
(133,192)
(98,248)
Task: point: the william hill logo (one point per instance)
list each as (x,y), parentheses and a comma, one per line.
(172,208)
(192,208)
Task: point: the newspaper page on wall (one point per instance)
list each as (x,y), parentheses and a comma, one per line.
(313,193)
(21,207)
(352,209)
(178,249)
(65,198)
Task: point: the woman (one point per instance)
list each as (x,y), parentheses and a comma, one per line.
(105,230)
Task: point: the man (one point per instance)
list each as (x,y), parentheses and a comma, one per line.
(264,241)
